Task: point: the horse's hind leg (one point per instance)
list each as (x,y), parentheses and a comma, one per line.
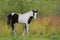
(13,31)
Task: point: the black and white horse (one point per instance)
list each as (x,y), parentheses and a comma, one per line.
(21,18)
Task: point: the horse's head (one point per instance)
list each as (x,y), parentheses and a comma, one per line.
(35,14)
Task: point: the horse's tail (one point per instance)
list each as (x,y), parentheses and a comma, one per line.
(9,18)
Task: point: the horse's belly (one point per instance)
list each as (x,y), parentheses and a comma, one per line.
(21,21)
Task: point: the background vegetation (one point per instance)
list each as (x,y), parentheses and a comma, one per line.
(46,27)
(45,7)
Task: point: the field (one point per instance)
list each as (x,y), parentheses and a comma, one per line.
(32,37)
(44,28)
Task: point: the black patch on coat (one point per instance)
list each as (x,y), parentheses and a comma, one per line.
(14,20)
(9,17)
(29,20)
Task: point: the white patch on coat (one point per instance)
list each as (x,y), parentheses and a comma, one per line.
(23,18)
(12,13)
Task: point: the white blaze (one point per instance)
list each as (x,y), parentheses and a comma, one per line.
(35,16)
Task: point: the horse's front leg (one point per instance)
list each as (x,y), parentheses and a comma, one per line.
(26,29)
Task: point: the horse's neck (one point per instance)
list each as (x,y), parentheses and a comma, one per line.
(29,13)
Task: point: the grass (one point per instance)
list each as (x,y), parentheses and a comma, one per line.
(44,28)
(32,37)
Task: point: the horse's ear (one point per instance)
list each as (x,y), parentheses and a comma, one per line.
(35,10)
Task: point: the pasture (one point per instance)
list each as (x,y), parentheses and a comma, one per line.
(44,28)
(32,37)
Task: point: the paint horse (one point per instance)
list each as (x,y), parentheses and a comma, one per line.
(21,18)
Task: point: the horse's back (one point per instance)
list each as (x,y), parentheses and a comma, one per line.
(23,18)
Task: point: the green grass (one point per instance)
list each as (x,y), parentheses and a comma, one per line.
(32,37)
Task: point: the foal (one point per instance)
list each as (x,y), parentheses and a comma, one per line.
(21,18)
